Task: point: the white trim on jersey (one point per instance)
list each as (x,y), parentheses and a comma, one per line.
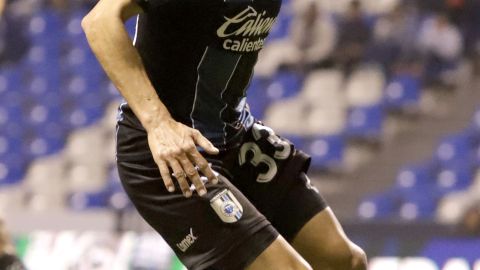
(196,86)
(226,104)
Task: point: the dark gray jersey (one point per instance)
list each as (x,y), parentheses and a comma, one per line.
(200,54)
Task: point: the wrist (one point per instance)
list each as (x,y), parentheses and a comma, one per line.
(155,119)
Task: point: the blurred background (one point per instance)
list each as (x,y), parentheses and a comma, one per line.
(382,93)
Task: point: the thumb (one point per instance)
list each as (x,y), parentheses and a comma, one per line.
(204,143)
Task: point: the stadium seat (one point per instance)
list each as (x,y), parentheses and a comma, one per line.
(83,201)
(402,93)
(419,177)
(283,85)
(365,122)
(281,27)
(453,149)
(291,121)
(417,205)
(10,114)
(10,80)
(324,87)
(364,87)
(379,206)
(45,26)
(325,121)
(454,177)
(12,168)
(327,152)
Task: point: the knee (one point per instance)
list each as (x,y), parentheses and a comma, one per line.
(351,257)
(358,259)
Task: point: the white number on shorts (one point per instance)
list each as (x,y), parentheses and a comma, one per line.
(259,157)
(273,139)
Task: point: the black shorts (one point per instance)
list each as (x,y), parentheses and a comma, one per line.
(263,191)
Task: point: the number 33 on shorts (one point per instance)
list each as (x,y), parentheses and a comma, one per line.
(259,157)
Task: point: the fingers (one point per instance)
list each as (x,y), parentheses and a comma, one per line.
(204,143)
(181,177)
(203,167)
(167,179)
(193,175)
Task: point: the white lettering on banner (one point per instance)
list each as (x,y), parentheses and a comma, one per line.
(247,23)
(382,263)
(419,263)
(476,265)
(456,264)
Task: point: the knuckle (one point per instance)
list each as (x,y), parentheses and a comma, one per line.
(195,132)
(189,147)
(175,152)
(202,165)
(191,172)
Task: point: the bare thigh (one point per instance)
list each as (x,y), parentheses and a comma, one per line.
(323,243)
(279,255)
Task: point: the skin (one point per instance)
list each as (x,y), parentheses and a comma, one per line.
(173,146)
(2,6)
(331,249)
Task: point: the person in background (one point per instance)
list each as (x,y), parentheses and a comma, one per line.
(8,261)
(354,36)
(441,45)
(309,44)
(14,43)
(394,39)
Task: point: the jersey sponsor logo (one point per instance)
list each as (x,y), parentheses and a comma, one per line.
(187,242)
(245,31)
(227,207)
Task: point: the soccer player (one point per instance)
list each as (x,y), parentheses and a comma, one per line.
(220,187)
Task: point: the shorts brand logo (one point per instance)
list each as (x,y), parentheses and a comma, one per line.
(187,242)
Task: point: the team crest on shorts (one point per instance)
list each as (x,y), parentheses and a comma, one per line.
(227,207)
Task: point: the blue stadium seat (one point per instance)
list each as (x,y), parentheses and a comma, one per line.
(454,177)
(281,27)
(326,151)
(379,206)
(10,80)
(12,168)
(84,200)
(298,141)
(284,84)
(365,122)
(418,205)
(74,29)
(402,93)
(257,97)
(418,177)
(10,113)
(39,115)
(45,26)
(454,148)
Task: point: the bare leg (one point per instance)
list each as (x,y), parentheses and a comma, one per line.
(279,255)
(323,243)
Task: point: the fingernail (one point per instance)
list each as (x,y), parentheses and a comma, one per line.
(188,194)
(215,181)
(202,192)
(171,189)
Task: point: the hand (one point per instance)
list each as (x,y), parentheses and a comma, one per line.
(173,145)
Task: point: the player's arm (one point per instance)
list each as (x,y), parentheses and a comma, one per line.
(173,145)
